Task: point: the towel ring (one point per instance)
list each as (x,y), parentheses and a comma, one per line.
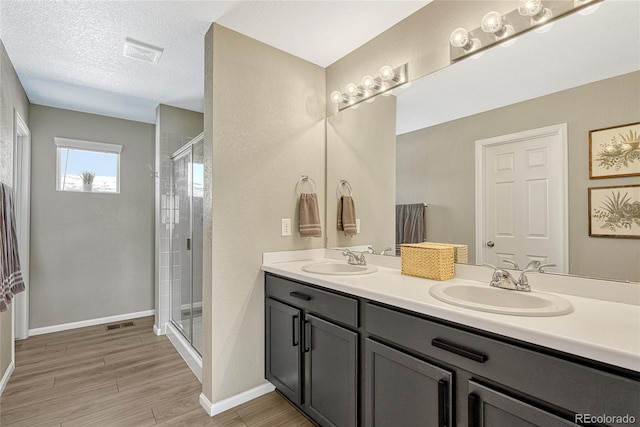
(301,181)
(344,183)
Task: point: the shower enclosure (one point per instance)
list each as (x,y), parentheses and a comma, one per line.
(187,179)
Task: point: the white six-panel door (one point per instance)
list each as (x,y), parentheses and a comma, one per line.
(521,208)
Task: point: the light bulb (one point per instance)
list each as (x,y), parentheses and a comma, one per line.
(384,86)
(351,90)
(366,93)
(336,97)
(386,73)
(529,7)
(492,23)
(460,38)
(535,10)
(368,82)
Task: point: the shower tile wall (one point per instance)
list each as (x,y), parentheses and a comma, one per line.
(169,144)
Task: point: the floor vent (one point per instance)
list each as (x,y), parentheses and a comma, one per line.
(119,325)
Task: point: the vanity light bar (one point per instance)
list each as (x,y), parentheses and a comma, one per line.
(388,78)
(497,29)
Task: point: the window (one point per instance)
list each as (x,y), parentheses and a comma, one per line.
(87,166)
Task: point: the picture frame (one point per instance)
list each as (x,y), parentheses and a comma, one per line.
(614,151)
(614,211)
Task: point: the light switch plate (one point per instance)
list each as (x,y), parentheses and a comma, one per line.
(357,225)
(286,227)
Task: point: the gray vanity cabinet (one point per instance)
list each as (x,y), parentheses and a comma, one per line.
(283,357)
(401,390)
(311,350)
(488,407)
(331,373)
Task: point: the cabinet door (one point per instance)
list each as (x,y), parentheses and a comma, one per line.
(331,374)
(283,356)
(488,407)
(401,390)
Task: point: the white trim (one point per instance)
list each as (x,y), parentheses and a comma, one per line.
(481,145)
(233,401)
(22,190)
(190,356)
(87,145)
(160,330)
(90,322)
(5,378)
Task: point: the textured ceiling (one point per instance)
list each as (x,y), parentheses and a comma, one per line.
(577,50)
(68,54)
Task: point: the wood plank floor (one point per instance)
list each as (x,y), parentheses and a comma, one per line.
(119,378)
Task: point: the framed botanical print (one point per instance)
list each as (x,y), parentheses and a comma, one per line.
(614,151)
(614,211)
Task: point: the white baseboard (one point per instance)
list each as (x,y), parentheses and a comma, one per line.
(233,401)
(90,322)
(5,378)
(160,330)
(190,356)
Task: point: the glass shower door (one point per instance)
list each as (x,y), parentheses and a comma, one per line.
(186,242)
(181,244)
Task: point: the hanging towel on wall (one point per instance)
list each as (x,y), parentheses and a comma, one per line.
(309,221)
(409,224)
(10,274)
(347,216)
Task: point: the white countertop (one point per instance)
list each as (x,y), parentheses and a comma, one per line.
(600,330)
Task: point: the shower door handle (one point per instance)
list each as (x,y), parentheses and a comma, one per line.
(188,244)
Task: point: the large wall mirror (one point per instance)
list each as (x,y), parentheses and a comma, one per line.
(419,146)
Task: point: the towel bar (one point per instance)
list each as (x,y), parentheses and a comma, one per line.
(302,180)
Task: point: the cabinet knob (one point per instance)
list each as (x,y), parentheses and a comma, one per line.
(490,243)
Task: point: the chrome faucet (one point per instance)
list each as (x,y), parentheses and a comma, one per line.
(355,258)
(372,250)
(503,279)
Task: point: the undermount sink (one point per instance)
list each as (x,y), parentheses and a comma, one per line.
(503,301)
(338,268)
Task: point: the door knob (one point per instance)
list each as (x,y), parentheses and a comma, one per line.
(490,244)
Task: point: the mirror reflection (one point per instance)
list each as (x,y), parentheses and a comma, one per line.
(579,76)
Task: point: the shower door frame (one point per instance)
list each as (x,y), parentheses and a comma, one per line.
(186,149)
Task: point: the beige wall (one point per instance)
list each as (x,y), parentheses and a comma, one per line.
(174,128)
(91,253)
(264,128)
(12,99)
(361,146)
(447,170)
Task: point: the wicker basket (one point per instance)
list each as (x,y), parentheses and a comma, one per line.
(427,260)
(460,252)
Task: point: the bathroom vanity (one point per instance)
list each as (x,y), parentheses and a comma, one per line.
(378,350)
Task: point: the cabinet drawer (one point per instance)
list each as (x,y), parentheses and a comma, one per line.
(556,381)
(327,304)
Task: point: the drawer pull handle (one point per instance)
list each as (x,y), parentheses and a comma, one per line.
(443,406)
(300,295)
(294,324)
(472,410)
(460,351)
(307,336)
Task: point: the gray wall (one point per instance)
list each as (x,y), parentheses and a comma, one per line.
(12,98)
(361,146)
(174,128)
(447,170)
(91,254)
(264,128)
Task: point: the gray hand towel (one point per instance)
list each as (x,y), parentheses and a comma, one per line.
(347,216)
(10,274)
(309,221)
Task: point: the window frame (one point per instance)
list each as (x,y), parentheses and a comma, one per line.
(98,147)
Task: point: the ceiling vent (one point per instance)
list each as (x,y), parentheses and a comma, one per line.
(141,51)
